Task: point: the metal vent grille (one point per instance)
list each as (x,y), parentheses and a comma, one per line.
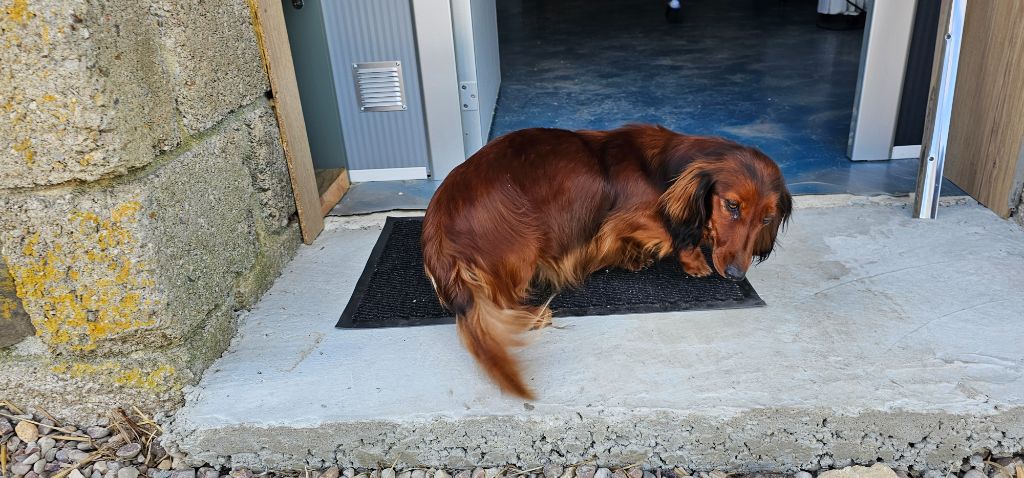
(379,86)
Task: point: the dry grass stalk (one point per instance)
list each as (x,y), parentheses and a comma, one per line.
(1020,471)
(12,406)
(3,460)
(89,459)
(526,472)
(12,417)
(627,467)
(70,438)
(56,423)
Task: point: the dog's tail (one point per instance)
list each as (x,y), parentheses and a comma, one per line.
(488,332)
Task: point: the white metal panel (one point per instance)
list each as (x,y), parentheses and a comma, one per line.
(440,85)
(880,81)
(386,174)
(475,25)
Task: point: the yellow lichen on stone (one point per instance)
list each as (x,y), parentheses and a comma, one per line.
(7,308)
(85,285)
(25,148)
(18,12)
(160,379)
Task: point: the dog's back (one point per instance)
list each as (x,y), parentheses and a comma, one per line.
(528,200)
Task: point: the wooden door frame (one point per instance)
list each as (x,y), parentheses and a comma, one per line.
(311,203)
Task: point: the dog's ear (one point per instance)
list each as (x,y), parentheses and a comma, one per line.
(765,243)
(686,205)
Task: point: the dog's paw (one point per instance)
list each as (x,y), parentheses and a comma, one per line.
(694,263)
(638,265)
(700,269)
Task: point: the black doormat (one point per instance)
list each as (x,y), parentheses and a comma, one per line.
(393,290)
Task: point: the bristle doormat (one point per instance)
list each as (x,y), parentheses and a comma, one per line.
(393,290)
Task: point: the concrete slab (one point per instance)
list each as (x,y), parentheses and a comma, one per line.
(885,338)
(380,196)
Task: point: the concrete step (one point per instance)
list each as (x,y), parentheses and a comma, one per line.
(885,338)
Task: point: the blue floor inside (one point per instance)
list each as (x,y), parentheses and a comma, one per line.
(756,71)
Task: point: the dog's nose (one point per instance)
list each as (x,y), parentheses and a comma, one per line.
(734,272)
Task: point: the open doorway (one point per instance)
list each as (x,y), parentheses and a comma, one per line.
(761,72)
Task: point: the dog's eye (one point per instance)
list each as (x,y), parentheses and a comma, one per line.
(732,206)
(766,221)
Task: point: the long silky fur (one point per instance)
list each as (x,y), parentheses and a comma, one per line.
(549,207)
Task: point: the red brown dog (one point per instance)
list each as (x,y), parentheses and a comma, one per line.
(552,206)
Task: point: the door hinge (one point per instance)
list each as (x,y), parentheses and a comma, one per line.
(468,96)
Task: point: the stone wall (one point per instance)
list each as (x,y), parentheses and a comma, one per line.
(144,196)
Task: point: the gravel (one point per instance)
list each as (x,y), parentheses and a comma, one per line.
(39,448)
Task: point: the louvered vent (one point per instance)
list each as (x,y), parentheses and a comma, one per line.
(379,86)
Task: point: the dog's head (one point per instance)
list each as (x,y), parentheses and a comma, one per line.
(730,196)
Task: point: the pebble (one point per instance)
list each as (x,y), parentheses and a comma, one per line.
(976,461)
(492,472)
(207,472)
(97,432)
(390,473)
(20,468)
(680,472)
(603,473)
(619,474)
(50,454)
(77,456)
(27,431)
(974,473)
(129,451)
(85,446)
(5,426)
(585,471)
(31,474)
(1010,462)
(31,459)
(331,472)
(419,474)
(128,472)
(550,471)
(997,474)
(189,473)
(569,472)
(405,474)
(164,464)
(648,474)
(39,467)
(75,474)
(349,473)
(241,473)
(635,472)
(802,474)
(46,444)
(441,474)
(46,426)
(477,473)
(465,474)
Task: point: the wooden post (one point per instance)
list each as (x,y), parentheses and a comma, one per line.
(268,21)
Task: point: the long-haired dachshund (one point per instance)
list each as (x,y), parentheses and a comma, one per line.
(551,206)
